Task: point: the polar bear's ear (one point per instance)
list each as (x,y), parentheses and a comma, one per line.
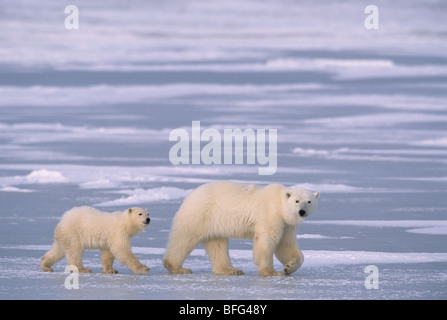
(288,194)
(316,194)
(129,210)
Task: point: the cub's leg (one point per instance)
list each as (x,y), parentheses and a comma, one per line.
(124,254)
(55,254)
(74,252)
(107,259)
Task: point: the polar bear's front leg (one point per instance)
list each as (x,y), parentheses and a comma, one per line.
(263,248)
(294,263)
(288,252)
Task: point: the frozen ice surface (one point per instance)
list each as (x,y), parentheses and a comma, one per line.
(361,116)
(326,275)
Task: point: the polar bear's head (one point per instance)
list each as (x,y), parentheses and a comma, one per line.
(301,203)
(139,217)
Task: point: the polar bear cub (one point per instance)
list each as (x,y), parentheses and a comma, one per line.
(215,212)
(88,228)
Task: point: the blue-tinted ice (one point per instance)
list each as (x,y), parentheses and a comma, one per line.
(361,116)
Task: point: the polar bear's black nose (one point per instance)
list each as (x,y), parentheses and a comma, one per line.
(148,220)
(302,213)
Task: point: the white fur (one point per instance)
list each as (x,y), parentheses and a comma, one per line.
(88,228)
(214,212)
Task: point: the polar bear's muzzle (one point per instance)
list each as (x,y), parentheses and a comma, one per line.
(147,221)
(303,213)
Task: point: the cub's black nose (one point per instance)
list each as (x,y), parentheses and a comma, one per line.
(148,220)
(302,213)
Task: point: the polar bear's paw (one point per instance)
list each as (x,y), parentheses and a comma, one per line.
(287,270)
(270,272)
(182,271)
(293,265)
(229,271)
(47,269)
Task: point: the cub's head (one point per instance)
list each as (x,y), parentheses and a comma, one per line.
(301,203)
(139,217)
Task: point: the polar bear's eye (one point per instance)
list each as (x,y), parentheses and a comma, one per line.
(140,214)
(309,201)
(297,201)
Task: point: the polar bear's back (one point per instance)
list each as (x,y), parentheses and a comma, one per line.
(226,209)
(214,197)
(87,224)
(85,215)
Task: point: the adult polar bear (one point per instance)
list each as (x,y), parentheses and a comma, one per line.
(216,211)
(88,228)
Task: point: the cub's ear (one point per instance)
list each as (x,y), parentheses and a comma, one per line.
(316,194)
(129,210)
(288,194)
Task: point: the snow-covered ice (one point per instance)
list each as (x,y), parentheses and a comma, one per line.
(361,117)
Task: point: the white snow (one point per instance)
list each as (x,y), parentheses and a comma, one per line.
(441,142)
(45,176)
(14,189)
(137,196)
(415,226)
(333,188)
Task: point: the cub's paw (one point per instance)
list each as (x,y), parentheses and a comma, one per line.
(182,271)
(270,273)
(141,269)
(110,271)
(47,269)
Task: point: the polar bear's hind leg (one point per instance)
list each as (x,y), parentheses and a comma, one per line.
(74,253)
(107,259)
(217,250)
(179,247)
(55,254)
